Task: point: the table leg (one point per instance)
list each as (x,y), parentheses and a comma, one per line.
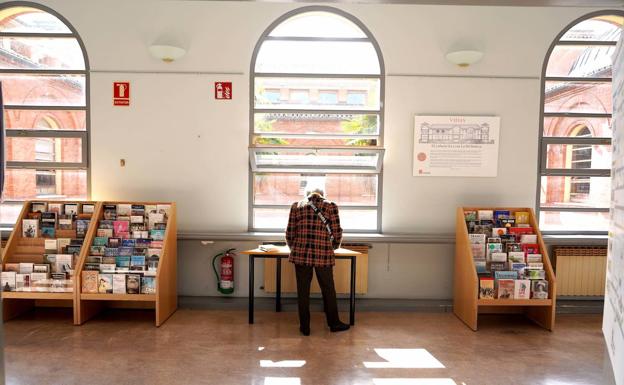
(278,285)
(251,288)
(352,294)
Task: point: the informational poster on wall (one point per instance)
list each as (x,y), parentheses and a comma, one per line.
(613,318)
(456,145)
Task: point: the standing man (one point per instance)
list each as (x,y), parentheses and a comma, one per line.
(313,233)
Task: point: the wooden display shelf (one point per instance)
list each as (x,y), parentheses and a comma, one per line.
(119,297)
(20,249)
(466,303)
(166,298)
(37,295)
(514,302)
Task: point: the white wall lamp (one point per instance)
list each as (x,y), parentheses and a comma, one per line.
(464,58)
(166,53)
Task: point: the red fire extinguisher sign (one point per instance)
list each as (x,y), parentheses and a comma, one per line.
(121,93)
(223,90)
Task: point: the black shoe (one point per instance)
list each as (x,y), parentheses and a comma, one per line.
(339,327)
(304,331)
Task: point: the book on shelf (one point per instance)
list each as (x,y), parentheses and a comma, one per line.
(539,289)
(26,268)
(48,232)
(119,283)
(88,208)
(528,238)
(108,267)
(505,288)
(516,256)
(39,207)
(7,279)
(81,227)
(62,244)
(50,246)
(498,257)
(105,283)
(14,267)
(522,217)
(157,235)
(532,258)
(535,274)
(530,248)
(148,285)
(133,284)
(477,238)
(71,209)
(486,288)
(41,268)
(30,228)
(90,281)
(505,274)
(522,289)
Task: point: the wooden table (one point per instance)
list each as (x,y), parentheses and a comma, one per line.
(283,252)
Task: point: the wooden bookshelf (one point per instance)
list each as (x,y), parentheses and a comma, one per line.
(164,302)
(466,303)
(32,250)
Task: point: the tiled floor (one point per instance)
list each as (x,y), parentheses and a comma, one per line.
(219,347)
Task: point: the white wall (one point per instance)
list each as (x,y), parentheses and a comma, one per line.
(179,144)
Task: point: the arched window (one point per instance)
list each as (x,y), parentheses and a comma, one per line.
(574,188)
(44,75)
(316,118)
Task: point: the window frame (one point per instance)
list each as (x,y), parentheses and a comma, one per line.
(544,141)
(381,112)
(84,136)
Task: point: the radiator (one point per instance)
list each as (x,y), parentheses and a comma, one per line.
(580,270)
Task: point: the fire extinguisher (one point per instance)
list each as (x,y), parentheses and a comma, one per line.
(225,283)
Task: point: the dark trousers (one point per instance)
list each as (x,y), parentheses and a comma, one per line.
(325,277)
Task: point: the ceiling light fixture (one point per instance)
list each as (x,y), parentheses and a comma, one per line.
(464,58)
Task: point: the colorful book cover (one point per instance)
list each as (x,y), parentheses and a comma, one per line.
(516,256)
(55,208)
(480,266)
(137,210)
(81,227)
(486,288)
(498,231)
(105,233)
(62,245)
(121,227)
(128,242)
(111,252)
(48,219)
(122,261)
(528,238)
(164,209)
(66,222)
(93,259)
(107,224)
(126,251)
(492,248)
(119,284)
(108,267)
(498,266)
(535,274)
(532,258)
(142,242)
(105,283)
(100,241)
(97,250)
(71,209)
(530,248)
(501,213)
(485,215)
(539,289)
(478,250)
(110,212)
(137,260)
(156,244)
(522,289)
(7,279)
(507,222)
(513,247)
(50,246)
(522,217)
(133,284)
(114,242)
(520,230)
(90,281)
(505,288)
(88,208)
(39,207)
(519,267)
(148,285)
(498,257)
(503,274)
(30,228)
(48,232)
(477,238)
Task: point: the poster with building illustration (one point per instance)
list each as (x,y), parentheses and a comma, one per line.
(613,317)
(456,145)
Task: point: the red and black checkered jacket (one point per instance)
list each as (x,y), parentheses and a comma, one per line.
(308,237)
